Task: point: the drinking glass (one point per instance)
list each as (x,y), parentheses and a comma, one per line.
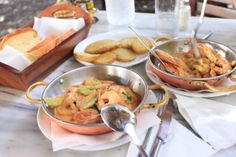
(166,17)
(120,12)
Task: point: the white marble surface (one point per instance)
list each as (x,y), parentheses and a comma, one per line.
(19,133)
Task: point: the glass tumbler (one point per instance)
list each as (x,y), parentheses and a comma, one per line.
(120,12)
(166,17)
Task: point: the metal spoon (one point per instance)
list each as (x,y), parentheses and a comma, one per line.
(194,32)
(121,119)
(147,47)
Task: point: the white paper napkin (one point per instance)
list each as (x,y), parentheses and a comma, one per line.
(215,122)
(46,26)
(14,58)
(181,143)
(62,139)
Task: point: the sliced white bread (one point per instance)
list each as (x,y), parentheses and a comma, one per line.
(22,39)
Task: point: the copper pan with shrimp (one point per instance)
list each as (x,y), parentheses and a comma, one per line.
(74,99)
(183,70)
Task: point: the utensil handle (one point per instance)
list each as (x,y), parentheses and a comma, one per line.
(156,148)
(203,11)
(130,130)
(27,93)
(142,151)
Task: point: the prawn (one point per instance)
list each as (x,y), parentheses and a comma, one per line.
(109,97)
(87,116)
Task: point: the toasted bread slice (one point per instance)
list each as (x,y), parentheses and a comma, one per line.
(86,57)
(126,42)
(139,48)
(124,55)
(101,46)
(44,47)
(106,58)
(22,39)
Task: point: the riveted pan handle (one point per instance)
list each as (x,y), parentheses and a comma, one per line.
(33,86)
(232,77)
(163,101)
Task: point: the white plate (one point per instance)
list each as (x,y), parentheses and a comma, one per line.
(44,124)
(113,36)
(199,93)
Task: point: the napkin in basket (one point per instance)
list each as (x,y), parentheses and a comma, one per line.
(181,143)
(46,26)
(214,121)
(62,139)
(14,58)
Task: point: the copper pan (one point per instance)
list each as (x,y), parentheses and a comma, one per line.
(104,72)
(181,45)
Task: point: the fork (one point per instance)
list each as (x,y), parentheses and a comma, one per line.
(159,112)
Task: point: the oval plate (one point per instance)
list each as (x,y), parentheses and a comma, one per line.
(113,36)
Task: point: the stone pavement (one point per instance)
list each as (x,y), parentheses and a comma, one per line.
(16,13)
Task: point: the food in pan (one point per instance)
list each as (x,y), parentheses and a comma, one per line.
(124,50)
(82,103)
(185,64)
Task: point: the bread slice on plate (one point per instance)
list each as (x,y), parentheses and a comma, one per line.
(139,48)
(22,39)
(126,42)
(81,56)
(101,46)
(106,58)
(124,55)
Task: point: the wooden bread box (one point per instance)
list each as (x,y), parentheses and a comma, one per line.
(42,67)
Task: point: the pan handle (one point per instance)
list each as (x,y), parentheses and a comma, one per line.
(163,38)
(232,78)
(31,87)
(165,99)
(213,88)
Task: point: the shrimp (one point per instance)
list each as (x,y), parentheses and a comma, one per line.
(207,52)
(109,97)
(117,94)
(64,113)
(172,60)
(222,63)
(87,116)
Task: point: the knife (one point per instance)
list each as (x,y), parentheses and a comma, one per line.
(162,134)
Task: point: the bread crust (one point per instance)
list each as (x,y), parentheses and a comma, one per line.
(19,31)
(44,47)
(85,57)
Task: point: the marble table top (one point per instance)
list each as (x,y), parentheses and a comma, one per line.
(19,133)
